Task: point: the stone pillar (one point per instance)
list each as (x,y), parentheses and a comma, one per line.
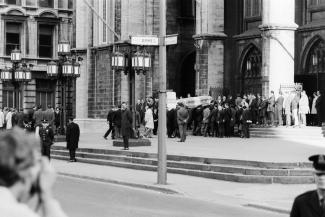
(278,29)
(209,41)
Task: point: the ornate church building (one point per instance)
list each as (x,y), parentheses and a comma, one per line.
(223,47)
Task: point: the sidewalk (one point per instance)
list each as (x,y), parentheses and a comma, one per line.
(253,149)
(273,197)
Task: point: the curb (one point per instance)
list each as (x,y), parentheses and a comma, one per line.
(268,208)
(111,181)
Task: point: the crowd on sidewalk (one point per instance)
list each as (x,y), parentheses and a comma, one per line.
(226,116)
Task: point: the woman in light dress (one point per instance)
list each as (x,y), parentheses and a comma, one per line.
(149,124)
(303,108)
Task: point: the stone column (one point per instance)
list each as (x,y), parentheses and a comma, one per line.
(209,41)
(278,29)
(125,88)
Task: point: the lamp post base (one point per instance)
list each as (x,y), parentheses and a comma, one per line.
(133,143)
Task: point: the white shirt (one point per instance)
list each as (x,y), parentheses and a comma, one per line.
(9,206)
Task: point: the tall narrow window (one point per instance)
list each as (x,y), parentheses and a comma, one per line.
(45,41)
(70,4)
(105,18)
(252,8)
(12,37)
(46,3)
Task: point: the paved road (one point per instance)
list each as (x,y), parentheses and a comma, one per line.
(83,198)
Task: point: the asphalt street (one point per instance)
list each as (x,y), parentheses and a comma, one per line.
(84,198)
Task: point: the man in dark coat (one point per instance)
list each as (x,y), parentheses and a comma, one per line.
(126,125)
(117,121)
(312,203)
(170,123)
(72,137)
(246,121)
(110,117)
(47,136)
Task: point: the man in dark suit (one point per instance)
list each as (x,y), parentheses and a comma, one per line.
(126,125)
(72,137)
(312,203)
(110,117)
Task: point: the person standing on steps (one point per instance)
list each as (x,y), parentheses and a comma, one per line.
(72,137)
(126,125)
(182,117)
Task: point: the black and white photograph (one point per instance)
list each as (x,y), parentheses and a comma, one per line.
(162,108)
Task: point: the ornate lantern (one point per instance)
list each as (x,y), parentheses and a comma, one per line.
(63,48)
(138,61)
(118,61)
(28,75)
(76,69)
(147,61)
(15,55)
(52,69)
(67,68)
(6,74)
(20,74)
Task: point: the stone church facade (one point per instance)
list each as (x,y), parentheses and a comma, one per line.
(224,47)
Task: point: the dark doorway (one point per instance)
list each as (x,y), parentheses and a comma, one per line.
(186,82)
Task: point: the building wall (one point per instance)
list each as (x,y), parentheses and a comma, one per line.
(30,17)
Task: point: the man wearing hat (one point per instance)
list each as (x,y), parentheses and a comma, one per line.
(47,136)
(312,203)
(182,118)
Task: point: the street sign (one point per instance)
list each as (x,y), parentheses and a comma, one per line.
(171,39)
(149,40)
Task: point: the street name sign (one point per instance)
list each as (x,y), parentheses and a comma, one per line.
(171,39)
(148,40)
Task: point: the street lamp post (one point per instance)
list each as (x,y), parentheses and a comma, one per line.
(64,70)
(18,74)
(132,63)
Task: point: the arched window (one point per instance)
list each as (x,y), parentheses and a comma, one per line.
(316,58)
(251,71)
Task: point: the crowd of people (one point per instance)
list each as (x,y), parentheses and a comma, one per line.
(225,116)
(45,123)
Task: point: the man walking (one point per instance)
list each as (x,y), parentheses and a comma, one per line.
(72,137)
(126,125)
(110,117)
(182,117)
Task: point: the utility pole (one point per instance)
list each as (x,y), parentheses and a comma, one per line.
(162,159)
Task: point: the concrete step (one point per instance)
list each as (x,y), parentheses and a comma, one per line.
(205,174)
(245,170)
(193,159)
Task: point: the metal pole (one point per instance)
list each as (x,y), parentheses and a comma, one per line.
(162,161)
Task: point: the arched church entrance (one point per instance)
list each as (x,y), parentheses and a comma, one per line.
(313,77)
(251,71)
(186,80)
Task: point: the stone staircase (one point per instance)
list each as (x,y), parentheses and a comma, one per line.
(220,169)
(306,133)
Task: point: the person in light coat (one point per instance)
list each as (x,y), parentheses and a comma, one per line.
(303,108)
(9,120)
(149,124)
(2,119)
(313,111)
(287,108)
